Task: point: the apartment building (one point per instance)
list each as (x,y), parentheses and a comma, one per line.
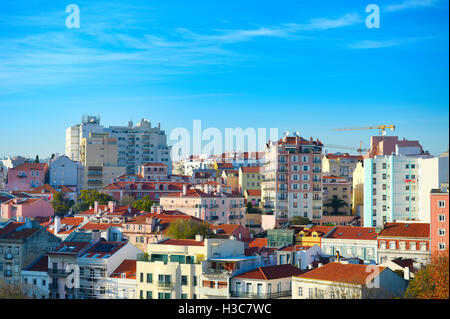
(292,185)
(215,208)
(439,220)
(351,242)
(141,144)
(269,282)
(136,145)
(64,171)
(340,164)
(339,187)
(393,187)
(405,240)
(348,281)
(35,278)
(21,208)
(27,176)
(21,243)
(137,189)
(250,178)
(98,155)
(153,171)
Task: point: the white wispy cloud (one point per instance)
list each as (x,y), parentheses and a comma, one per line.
(371,44)
(409,4)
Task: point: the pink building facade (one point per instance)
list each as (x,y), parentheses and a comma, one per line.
(21,208)
(439,221)
(154,171)
(27,176)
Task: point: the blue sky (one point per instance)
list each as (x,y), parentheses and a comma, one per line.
(307,65)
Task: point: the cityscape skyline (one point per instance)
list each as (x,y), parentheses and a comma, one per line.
(301,66)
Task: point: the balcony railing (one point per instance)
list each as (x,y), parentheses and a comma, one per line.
(166,285)
(53,286)
(57,272)
(270,295)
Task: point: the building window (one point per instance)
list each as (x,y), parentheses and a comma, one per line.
(310,293)
(184,280)
(149,295)
(441,232)
(441,203)
(441,219)
(423,246)
(142,277)
(300,291)
(392,245)
(149,278)
(441,246)
(412,246)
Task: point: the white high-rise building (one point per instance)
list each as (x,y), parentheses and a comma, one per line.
(141,144)
(137,145)
(74,135)
(397,187)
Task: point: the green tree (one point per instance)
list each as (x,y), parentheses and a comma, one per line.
(127,200)
(187,229)
(336,203)
(145,204)
(88,197)
(299,220)
(61,205)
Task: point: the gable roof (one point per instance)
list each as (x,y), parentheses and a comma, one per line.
(128,267)
(406,230)
(345,273)
(349,232)
(271,272)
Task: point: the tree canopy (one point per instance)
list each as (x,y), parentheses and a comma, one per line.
(145,204)
(431,281)
(299,220)
(88,197)
(187,229)
(336,203)
(61,205)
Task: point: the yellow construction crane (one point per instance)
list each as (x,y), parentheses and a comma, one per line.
(382,128)
(359,149)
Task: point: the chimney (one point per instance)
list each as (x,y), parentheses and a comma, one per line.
(184,189)
(153,209)
(338,256)
(96,235)
(406,273)
(111,206)
(198,237)
(57,226)
(320,265)
(310,266)
(96,206)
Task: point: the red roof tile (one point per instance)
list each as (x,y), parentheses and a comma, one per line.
(128,267)
(271,272)
(406,230)
(338,272)
(182,242)
(349,232)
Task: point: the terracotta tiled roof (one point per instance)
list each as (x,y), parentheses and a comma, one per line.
(119,211)
(155,164)
(74,222)
(258,242)
(295,248)
(406,230)
(337,272)
(128,267)
(228,229)
(145,186)
(99,226)
(22,201)
(346,155)
(37,166)
(46,188)
(321,230)
(271,272)
(253,192)
(349,232)
(251,170)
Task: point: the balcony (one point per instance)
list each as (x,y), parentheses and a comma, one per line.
(218,292)
(273,295)
(214,206)
(8,256)
(57,272)
(166,285)
(217,272)
(53,286)
(213,217)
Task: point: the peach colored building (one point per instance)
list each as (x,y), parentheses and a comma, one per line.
(216,208)
(21,208)
(153,171)
(439,220)
(27,176)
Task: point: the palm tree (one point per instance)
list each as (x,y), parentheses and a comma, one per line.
(336,203)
